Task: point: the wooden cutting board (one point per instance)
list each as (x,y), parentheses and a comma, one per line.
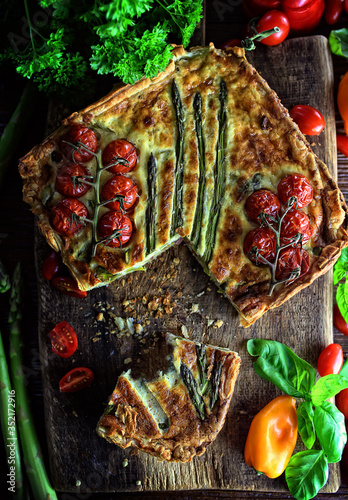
(300,71)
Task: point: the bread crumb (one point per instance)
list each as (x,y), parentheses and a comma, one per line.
(125,462)
(138,483)
(127,361)
(194,308)
(210,322)
(176,261)
(100,317)
(218,323)
(184,331)
(138,328)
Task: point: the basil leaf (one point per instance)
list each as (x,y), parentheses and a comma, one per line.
(327,387)
(331,431)
(281,366)
(342,299)
(338,41)
(306,473)
(338,274)
(344,370)
(305,413)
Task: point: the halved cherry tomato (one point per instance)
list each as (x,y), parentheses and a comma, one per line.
(254,8)
(342,143)
(264,239)
(76,379)
(264,201)
(304,15)
(69,180)
(341,400)
(333,10)
(330,360)
(66,214)
(68,286)
(64,339)
(270,20)
(339,321)
(116,223)
(121,154)
(295,221)
(123,186)
(52,265)
(309,119)
(290,259)
(295,185)
(79,144)
(232,42)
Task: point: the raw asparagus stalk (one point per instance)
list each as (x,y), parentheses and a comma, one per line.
(151,208)
(5,283)
(35,468)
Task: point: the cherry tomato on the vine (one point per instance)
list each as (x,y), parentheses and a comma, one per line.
(123,186)
(339,321)
(63,339)
(330,360)
(115,222)
(264,239)
(253,8)
(342,143)
(66,215)
(309,120)
(304,15)
(52,265)
(333,10)
(295,221)
(121,155)
(76,379)
(270,20)
(346,5)
(70,180)
(295,185)
(68,286)
(79,144)
(262,200)
(232,42)
(290,259)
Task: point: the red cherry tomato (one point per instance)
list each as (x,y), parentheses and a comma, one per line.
(295,222)
(79,144)
(112,222)
(253,8)
(309,120)
(259,201)
(295,185)
(265,240)
(122,155)
(52,265)
(342,402)
(122,186)
(346,5)
(339,321)
(232,42)
(342,143)
(69,180)
(304,15)
(76,379)
(68,286)
(330,360)
(62,218)
(333,10)
(64,339)
(270,20)
(290,259)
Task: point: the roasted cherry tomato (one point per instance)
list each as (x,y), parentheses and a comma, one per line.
(117,224)
(264,239)
(69,180)
(232,42)
(264,201)
(295,221)
(342,402)
(52,265)
(68,286)
(330,360)
(79,144)
(333,10)
(78,378)
(290,259)
(339,321)
(309,120)
(120,185)
(295,185)
(270,20)
(254,8)
(304,15)
(64,339)
(122,155)
(65,216)
(342,143)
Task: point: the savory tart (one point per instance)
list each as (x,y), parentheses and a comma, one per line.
(180,412)
(189,154)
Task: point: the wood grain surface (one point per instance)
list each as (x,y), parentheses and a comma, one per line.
(80,460)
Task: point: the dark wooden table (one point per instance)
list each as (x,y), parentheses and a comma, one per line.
(224,20)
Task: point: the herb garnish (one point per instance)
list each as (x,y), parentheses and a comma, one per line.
(340,278)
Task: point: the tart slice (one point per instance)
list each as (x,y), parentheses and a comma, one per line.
(176,415)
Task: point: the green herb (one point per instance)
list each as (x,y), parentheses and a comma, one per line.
(319,421)
(219,176)
(151,206)
(177,217)
(193,390)
(251,185)
(197,221)
(340,278)
(338,41)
